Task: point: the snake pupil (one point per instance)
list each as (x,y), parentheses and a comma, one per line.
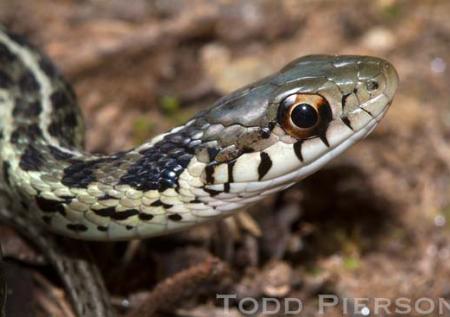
(304,116)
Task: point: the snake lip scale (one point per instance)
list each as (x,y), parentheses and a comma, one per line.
(257,140)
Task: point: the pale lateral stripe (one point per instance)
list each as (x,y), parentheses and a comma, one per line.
(6,109)
(26,56)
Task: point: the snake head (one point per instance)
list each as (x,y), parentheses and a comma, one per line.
(281,129)
(319,90)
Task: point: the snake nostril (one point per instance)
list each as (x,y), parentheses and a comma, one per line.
(372,85)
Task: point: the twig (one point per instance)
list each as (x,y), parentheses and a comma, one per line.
(52,298)
(180,286)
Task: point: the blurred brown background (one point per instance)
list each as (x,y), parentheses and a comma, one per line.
(373,223)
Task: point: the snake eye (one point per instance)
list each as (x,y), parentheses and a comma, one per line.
(304,115)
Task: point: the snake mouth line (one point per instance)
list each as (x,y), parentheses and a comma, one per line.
(310,167)
(255,191)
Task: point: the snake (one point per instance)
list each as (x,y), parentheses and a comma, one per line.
(253,142)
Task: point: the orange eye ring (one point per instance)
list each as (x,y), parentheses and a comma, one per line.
(304,116)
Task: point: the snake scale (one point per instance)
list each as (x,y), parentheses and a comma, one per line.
(253,142)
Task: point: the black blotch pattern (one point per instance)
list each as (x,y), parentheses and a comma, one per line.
(264,165)
(209,173)
(31,159)
(59,99)
(47,67)
(230,171)
(15,135)
(175,217)
(51,206)
(70,120)
(344,99)
(56,129)
(347,122)
(145,217)
(62,133)
(326,117)
(212,153)
(31,132)
(123,215)
(298,150)
(5,80)
(248,149)
(64,116)
(28,83)
(26,109)
(58,154)
(6,168)
(324,139)
(105,212)
(161,165)
(6,56)
(159,203)
(102,228)
(156,203)
(212,192)
(77,227)
(81,173)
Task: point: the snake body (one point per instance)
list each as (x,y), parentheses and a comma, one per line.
(224,158)
(256,141)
